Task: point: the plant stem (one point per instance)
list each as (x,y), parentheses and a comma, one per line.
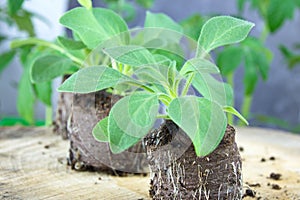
(187,84)
(230,81)
(264,34)
(163,116)
(35,41)
(246,107)
(48,117)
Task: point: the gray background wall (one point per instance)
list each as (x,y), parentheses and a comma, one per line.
(278,97)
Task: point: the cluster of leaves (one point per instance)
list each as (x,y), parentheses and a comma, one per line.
(13,14)
(149,68)
(253,55)
(292,57)
(274,12)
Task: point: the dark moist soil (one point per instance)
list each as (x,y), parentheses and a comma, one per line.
(177,173)
(63,112)
(88,154)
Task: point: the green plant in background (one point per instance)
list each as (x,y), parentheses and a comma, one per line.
(274,13)
(158,80)
(12,14)
(127,9)
(256,59)
(292,57)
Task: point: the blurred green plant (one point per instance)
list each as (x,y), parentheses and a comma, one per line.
(13,14)
(274,13)
(127,9)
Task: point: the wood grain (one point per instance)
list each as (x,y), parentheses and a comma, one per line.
(33,166)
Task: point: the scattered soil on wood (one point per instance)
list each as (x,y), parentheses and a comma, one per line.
(23,168)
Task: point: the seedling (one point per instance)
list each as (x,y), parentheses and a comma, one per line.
(156,80)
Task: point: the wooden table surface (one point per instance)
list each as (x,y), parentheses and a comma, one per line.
(33,166)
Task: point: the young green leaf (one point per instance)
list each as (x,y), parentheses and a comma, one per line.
(130,119)
(92,79)
(222,30)
(6,58)
(100,131)
(70,44)
(199,64)
(232,110)
(96,26)
(134,56)
(201,119)
(85,3)
(48,67)
(213,89)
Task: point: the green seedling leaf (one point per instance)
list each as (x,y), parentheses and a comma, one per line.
(222,30)
(100,131)
(14,6)
(199,64)
(229,59)
(213,89)
(96,26)
(85,3)
(233,111)
(139,111)
(70,44)
(48,67)
(201,119)
(6,58)
(134,56)
(92,79)
(43,92)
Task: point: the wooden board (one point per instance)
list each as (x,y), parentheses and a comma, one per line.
(33,166)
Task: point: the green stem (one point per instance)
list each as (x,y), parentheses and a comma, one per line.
(48,117)
(165,99)
(264,34)
(163,117)
(246,107)
(39,42)
(230,81)
(187,84)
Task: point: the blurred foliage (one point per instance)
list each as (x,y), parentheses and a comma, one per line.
(127,9)
(13,15)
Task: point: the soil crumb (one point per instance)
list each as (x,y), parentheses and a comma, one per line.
(249,193)
(272,158)
(263,160)
(275,176)
(276,187)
